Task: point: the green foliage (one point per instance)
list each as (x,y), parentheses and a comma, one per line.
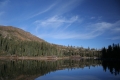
(13,47)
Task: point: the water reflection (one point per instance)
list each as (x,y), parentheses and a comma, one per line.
(31,69)
(112,66)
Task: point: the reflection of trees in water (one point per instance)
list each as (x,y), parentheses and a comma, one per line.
(13,69)
(112,66)
(24,69)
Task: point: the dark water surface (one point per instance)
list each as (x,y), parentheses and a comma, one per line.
(84,69)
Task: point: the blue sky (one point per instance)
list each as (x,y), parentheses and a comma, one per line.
(93,23)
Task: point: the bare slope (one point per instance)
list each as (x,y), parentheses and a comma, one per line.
(18,34)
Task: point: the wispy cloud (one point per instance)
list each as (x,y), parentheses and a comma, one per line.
(66,6)
(116,30)
(98,27)
(41,12)
(57,8)
(92,31)
(92,18)
(55,22)
(89,32)
(114,38)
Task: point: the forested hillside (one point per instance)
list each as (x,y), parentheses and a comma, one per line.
(17,42)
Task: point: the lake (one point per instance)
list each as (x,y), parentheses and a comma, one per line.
(83,69)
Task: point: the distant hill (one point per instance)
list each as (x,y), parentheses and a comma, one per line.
(18,34)
(17,42)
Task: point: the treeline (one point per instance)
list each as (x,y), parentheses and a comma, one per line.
(113,51)
(13,47)
(26,48)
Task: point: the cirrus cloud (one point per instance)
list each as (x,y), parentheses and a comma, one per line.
(90,31)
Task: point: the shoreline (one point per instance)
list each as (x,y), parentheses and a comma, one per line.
(43,58)
(51,58)
(31,58)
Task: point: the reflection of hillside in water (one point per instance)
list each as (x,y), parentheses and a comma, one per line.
(30,69)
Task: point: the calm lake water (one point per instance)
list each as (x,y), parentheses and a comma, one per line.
(85,69)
